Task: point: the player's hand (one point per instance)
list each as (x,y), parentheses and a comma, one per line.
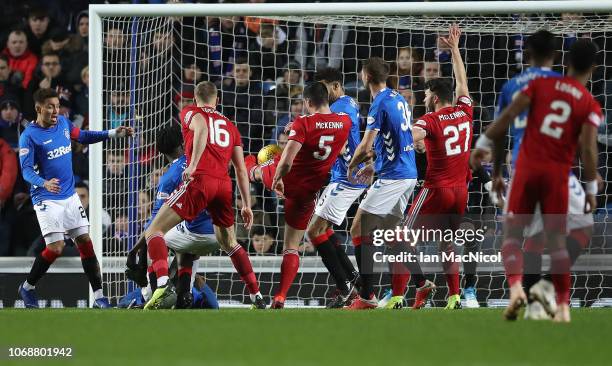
(477,157)
(452,41)
(187,173)
(123,131)
(279,187)
(52,185)
(288,127)
(365,174)
(247,217)
(45,83)
(499,187)
(590,203)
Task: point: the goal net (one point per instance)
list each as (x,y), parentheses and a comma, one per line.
(150,65)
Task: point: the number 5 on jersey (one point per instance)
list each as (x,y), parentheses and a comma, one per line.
(324,147)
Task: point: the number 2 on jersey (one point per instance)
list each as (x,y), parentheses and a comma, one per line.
(564,112)
(324,143)
(452,147)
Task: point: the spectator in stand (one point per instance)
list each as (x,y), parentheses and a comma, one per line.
(405,75)
(81,99)
(182,100)
(192,75)
(38,28)
(277,101)
(268,53)
(12,123)
(297,109)
(227,41)
(69,48)
(8,175)
(116,183)
(260,217)
(118,111)
(22,61)
(80,161)
(83,191)
(82,29)
(9,89)
(431,70)
(50,76)
(241,102)
(262,241)
(116,56)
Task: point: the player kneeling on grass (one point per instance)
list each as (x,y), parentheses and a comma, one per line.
(315,141)
(189,239)
(211,143)
(45,155)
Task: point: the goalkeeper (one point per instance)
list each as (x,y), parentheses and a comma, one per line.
(189,239)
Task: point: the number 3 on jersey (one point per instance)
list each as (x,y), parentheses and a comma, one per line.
(217,135)
(453,146)
(324,147)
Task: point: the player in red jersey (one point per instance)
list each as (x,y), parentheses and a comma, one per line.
(315,141)
(447,134)
(562,116)
(211,143)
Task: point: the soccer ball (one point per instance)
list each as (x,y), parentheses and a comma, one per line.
(268,152)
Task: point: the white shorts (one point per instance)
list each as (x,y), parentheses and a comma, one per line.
(388,197)
(181,240)
(576,218)
(335,201)
(59,217)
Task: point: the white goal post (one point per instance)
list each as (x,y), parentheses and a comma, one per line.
(434,16)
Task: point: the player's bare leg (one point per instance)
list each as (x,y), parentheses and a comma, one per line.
(240,259)
(513,263)
(319,237)
(91,267)
(41,265)
(165,220)
(290,265)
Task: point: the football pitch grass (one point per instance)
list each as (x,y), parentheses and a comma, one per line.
(305,337)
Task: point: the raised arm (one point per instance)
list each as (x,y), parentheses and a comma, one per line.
(200,138)
(87,137)
(243,185)
(452,41)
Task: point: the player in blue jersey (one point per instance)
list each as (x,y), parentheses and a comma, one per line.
(388,129)
(189,239)
(338,196)
(541,53)
(45,155)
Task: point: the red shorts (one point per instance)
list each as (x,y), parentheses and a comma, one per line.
(204,192)
(547,186)
(438,208)
(299,201)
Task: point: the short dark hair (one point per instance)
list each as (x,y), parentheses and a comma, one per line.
(4,58)
(377,68)
(169,139)
(442,88)
(329,74)
(317,94)
(41,95)
(541,46)
(51,54)
(583,55)
(38,12)
(81,185)
(241,61)
(205,91)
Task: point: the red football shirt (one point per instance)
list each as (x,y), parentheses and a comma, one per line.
(322,137)
(559,107)
(448,141)
(223,136)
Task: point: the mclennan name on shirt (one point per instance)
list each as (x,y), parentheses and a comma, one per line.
(450,116)
(333,125)
(568,88)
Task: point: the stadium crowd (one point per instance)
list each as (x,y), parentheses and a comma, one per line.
(260,66)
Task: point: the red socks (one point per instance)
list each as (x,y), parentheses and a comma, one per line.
(158,252)
(513,260)
(560,271)
(289,268)
(86,250)
(242,263)
(451,270)
(399,279)
(48,255)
